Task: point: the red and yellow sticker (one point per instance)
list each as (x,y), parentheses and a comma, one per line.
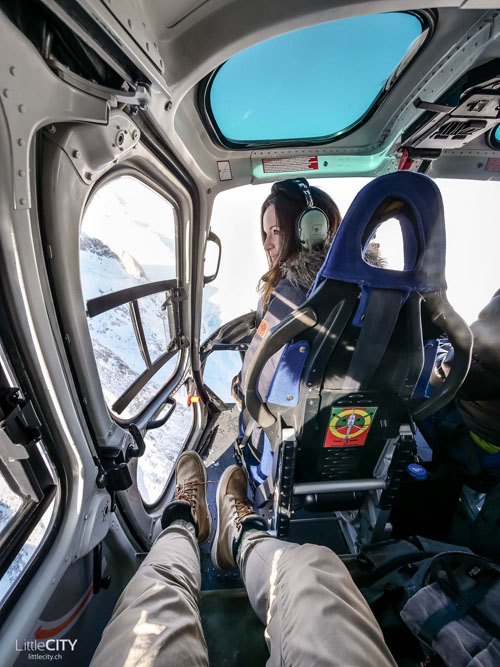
(349,427)
(263,327)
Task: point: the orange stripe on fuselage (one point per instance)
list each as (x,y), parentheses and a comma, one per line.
(40,633)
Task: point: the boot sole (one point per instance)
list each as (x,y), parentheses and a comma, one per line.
(213,553)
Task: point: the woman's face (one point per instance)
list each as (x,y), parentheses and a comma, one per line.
(273,238)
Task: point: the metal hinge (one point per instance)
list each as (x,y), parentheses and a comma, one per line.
(174,295)
(19,426)
(113,476)
(140,97)
(171,305)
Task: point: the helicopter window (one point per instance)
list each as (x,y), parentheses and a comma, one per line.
(128,274)
(162,448)
(344,68)
(220,369)
(387,237)
(28,549)
(28,484)
(389,241)
(10,503)
(235,219)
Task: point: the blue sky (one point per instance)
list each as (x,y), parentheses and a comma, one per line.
(311,82)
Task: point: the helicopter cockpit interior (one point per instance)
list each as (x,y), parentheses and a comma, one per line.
(123,127)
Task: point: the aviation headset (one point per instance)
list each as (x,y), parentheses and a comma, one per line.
(312,225)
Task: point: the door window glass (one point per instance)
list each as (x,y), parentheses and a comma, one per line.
(10,503)
(26,553)
(128,240)
(162,449)
(220,369)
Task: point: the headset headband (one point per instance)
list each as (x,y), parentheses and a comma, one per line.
(312,225)
(303,186)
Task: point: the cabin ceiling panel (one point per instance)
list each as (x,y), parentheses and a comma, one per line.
(132,17)
(176,11)
(218,29)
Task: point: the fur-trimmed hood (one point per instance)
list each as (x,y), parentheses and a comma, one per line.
(302,269)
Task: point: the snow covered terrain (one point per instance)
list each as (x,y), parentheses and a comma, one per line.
(10,503)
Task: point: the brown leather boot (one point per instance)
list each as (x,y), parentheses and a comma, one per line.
(234,514)
(190,498)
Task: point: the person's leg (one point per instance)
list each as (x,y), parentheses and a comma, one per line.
(313,612)
(156,620)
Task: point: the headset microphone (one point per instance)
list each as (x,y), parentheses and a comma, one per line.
(312,225)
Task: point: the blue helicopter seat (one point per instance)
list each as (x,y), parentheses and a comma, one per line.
(338,418)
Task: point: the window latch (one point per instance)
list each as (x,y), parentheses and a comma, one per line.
(171,305)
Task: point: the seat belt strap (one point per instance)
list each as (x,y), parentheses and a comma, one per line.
(378,325)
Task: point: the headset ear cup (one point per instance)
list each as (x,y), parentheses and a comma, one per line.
(312,228)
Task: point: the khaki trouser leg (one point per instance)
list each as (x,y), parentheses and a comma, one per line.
(313,612)
(156,620)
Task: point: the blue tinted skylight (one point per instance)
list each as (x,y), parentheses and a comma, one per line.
(311,83)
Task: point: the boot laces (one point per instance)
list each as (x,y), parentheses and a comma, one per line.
(242,510)
(187,491)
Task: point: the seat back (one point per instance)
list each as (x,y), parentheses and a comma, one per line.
(353,355)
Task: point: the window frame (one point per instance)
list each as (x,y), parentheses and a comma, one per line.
(428,19)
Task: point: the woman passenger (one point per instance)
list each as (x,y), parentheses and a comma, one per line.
(293,265)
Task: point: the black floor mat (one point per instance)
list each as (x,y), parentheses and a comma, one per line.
(234,634)
(304,527)
(210,578)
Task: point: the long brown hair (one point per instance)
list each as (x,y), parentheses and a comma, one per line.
(288,201)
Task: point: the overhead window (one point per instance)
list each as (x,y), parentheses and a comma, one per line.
(313,84)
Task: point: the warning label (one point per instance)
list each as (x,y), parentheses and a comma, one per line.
(289,164)
(493,164)
(349,427)
(224,167)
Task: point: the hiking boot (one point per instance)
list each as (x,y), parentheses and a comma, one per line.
(234,515)
(190,498)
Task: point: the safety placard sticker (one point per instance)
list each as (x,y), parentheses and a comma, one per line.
(225,173)
(349,427)
(289,164)
(492,164)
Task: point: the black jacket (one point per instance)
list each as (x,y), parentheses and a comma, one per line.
(478,400)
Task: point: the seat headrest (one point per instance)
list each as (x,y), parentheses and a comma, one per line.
(423,233)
